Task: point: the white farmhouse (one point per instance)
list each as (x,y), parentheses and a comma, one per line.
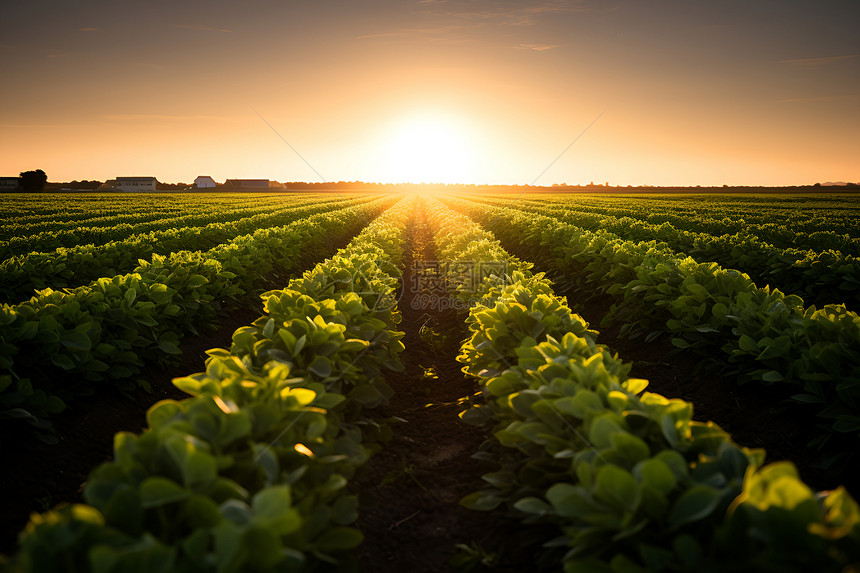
(204,182)
(136,183)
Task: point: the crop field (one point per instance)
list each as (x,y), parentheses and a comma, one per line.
(465,382)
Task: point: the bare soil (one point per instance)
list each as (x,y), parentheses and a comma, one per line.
(410,491)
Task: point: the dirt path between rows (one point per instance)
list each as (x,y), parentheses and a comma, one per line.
(410,490)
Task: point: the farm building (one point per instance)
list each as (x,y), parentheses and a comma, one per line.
(204,182)
(10,183)
(136,183)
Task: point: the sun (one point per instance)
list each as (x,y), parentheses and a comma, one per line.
(429,148)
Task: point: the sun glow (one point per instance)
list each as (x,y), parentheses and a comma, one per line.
(429,149)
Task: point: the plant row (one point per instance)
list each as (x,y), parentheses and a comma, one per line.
(250,473)
(100,210)
(819,277)
(50,240)
(630,482)
(806,222)
(74,209)
(749,333)
(61,344)
(21,275)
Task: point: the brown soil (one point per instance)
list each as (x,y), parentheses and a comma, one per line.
(410,491)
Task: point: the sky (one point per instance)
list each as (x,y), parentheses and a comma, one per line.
(629,92)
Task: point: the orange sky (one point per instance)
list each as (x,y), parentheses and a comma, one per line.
(473,91)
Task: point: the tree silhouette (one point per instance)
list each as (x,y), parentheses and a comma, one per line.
(33,180)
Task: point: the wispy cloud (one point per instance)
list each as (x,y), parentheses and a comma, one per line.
(538,47)
(513,13)
(59,55)
(819,61)
(382,35)
(202,28)
(88,29)
(456,22)
(427,33)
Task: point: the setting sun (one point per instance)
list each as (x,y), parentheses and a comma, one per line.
(429,148)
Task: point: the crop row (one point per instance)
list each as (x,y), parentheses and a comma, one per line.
(109,210)
(631,482)
(250,473)
(60,344)
(108,231)
(750,333)
(786,221)
(818,277)
(74,266)
(26,208)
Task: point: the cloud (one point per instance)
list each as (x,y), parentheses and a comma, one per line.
(538,47)
(456,21)
(88,29)
(819,61)
(514,13)
(427,33)
(203,28)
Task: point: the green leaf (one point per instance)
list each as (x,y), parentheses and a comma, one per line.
(698,290)
(601,430)
(339,539)
(772,376)
(747,344)
(157,491)
(481,501)
(618,488)
(695,504)
(321,366)
(199,467)
(272,510)
(196,281)
(76,341)
(63,361)
(847,423)
(532,505)
(656,474)
(719,310)
(169,347)
(808,398)
(269,329)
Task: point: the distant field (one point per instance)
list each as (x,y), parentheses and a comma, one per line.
(315,381)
